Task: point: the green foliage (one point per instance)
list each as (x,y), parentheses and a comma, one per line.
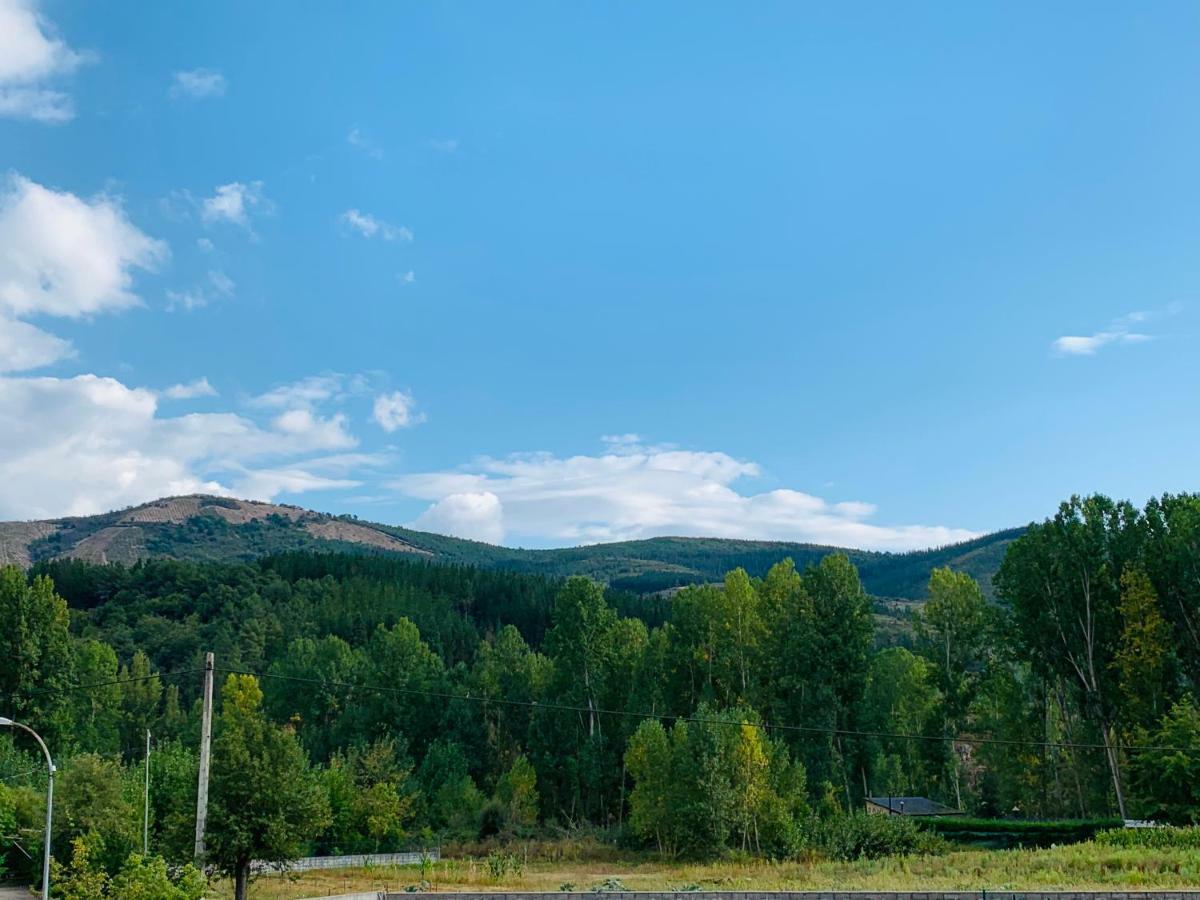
(1166,838)
(266,803)
(95,798)
(138,877)
(861,836)
(516,792)
(1167,777)
(35,651)
(437,700)
(504,865)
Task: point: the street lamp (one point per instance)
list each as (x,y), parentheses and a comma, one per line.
(49,802)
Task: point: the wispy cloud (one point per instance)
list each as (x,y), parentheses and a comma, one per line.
(198,83)
(217,284)
(360,141)
(190,390)
(370,227)
(444,145)
(1127,329)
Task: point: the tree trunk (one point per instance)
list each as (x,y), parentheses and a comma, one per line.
(1114,766)
(241,880)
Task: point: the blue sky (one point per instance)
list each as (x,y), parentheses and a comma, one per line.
(549,273)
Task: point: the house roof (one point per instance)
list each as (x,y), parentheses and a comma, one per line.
(914,806)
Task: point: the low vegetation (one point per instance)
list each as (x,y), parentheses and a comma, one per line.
(588,867)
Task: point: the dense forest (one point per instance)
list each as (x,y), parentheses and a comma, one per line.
(374,703)
(201,528)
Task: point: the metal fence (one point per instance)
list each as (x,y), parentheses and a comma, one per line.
(354,861)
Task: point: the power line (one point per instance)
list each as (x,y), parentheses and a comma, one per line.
(99,684)
(700,720)
(662,717)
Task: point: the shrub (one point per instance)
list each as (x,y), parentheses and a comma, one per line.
(1168,838)
(861,836)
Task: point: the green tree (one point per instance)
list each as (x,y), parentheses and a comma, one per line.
(1172,560)
(267,803)
(1143,652)
(35,653)
(1167,777)
(648,761)
(96,798)
(453,800)
(141,696)
(96,712)
(952,632)
(1061,580)
(901,698)
(516,791)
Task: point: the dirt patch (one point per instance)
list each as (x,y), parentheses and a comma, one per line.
(117,543)
(177,510)
(351,533)
(15,538)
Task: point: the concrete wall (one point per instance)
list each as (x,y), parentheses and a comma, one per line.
(808,895)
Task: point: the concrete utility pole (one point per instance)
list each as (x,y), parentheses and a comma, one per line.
(205,759)
(146,802)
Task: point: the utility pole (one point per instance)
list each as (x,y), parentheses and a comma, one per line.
(146,803)
(205,759)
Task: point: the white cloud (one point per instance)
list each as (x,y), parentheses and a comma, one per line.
(407,277)
(235,202)
(205,245)
(444,145)
(636,491)
(189,391)
(369,226)
(75,446)
(315,431)
(359,140)
(475,515)
(1119,331)
(64,256)
(1087,345)
(397,410)
(311,391)
(22,346)
(61,255)
(198,83)
(30,59)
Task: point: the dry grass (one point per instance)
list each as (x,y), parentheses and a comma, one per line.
(1078,867)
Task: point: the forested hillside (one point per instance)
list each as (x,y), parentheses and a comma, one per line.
(375,702)
(218,529)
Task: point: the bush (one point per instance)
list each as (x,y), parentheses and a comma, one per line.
(1168,838)
(862,836)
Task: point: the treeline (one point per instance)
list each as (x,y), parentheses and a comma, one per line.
(401,703)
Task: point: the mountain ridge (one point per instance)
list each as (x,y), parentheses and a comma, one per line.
(203,527)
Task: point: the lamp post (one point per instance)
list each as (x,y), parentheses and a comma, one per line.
(49,802)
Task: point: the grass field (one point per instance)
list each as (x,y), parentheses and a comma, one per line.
(1080,866)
